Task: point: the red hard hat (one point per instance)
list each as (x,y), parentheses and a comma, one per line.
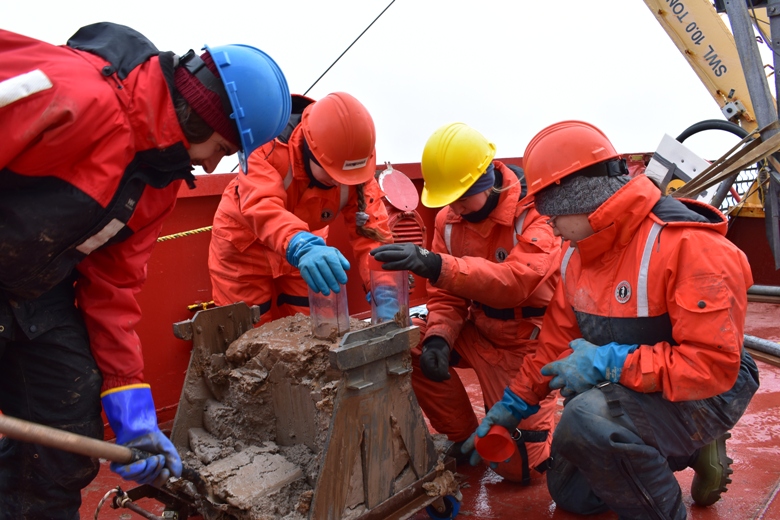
(562,149)
(341,136)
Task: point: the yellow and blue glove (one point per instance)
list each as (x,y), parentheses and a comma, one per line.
(131,414)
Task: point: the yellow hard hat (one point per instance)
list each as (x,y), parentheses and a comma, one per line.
(454,157)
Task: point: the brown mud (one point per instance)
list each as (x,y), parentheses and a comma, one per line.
(264,435)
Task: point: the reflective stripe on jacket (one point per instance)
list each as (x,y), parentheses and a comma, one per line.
(659,273)
(491,265)
(89,167)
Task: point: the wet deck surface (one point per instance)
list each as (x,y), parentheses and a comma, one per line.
(754,446)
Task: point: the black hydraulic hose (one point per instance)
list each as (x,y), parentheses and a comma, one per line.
(716,124)
(712,124)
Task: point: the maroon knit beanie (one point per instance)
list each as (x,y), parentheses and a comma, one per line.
(204,102)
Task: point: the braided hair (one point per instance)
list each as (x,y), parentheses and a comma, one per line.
(362,218)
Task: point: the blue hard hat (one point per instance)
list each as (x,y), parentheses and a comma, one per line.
(258,94)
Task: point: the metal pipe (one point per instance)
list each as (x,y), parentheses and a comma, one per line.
(123,501)
(760,95)
(752,64)
(764,290)
(762,345)
(772,199)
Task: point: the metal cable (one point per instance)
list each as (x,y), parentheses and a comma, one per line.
(756,24)
(340,56)
(756,187)
(350,46)
(116,490)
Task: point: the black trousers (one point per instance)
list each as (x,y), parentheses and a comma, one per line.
(47,376)
(616,449)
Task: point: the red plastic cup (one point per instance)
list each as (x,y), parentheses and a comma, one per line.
(496,446)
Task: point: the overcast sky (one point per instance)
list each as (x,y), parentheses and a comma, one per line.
(506,67)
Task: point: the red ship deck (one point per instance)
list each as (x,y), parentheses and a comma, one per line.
(178,278)
(754,446)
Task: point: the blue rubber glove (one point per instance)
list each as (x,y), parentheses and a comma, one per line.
(385,301)
(131,414)
(587,365)
(508,412)
(322,267)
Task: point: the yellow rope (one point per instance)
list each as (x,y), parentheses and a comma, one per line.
(184,234)
(195,306)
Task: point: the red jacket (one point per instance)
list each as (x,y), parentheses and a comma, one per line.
(505,265)
(659,273)
(274,201)
(90,165)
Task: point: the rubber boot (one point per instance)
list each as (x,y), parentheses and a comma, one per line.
(712,468)
(454,452)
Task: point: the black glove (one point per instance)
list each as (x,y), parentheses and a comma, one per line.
(435,359)
(407,256)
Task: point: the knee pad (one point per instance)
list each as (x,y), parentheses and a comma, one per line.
(584,427)
(569,489)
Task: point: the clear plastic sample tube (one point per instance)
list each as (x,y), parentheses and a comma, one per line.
(329,314)
(389,294)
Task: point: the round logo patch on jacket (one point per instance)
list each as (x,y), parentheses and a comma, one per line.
(623,292)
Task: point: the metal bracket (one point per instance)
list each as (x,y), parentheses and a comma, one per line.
(358,384)
(361,347)
(396,365)
(733,110)
(361,352)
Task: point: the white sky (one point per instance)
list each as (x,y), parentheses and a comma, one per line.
(506,67)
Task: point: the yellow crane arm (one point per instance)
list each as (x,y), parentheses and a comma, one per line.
(706,42)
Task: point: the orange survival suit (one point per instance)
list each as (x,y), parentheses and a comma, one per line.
(260,212)
(645,278)
(91,161)
(657,273)
(496,279)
